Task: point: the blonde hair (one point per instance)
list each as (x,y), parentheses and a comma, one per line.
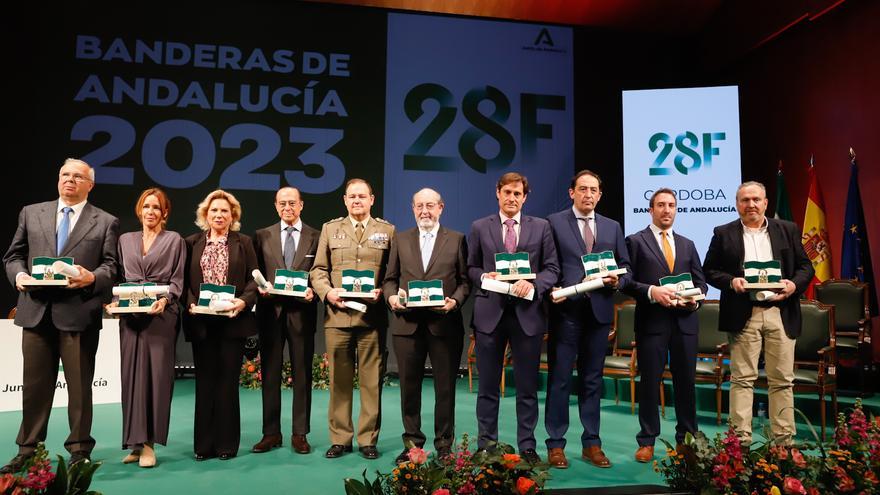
(202,209)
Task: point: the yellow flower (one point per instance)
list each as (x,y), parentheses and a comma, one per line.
(774,491)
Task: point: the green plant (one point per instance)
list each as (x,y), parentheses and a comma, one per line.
(36,477)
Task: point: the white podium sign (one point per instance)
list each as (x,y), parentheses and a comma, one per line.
(106,386)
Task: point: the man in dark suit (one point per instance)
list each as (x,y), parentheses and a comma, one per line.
(61,322)
(775,321)
(580,325)
(427,252)
(500,319)
(289,244)
(664,325)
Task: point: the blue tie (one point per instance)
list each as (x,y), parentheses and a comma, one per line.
(63,229)
(289,247)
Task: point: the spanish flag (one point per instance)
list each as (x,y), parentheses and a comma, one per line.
(815,236)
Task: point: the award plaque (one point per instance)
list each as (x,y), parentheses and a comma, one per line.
(358,283)
(683,284)
(136,298)
(601,265)
(761,275)
(290,283)
(513,266)
(213,298)
(425,293)
(44,274)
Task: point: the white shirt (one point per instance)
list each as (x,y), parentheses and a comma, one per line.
(297,231)
(516,225)
(757,243)
(426,243)
(590,219)
(72,218)
(659,238)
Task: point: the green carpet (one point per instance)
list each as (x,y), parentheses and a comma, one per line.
(282,471)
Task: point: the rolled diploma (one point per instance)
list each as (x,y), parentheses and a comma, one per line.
(589,285)
(220,305)
(64,269)
(695,291)
(146,290)
(356,306)
(260,279)
(503,288)
(763,295)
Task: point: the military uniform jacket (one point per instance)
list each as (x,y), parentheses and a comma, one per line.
(339,250)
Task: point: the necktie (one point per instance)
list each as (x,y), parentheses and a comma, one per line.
(289,247)
(427,246)
(667,251)
(359,232)
(589,240)
(63,229)
(510,236)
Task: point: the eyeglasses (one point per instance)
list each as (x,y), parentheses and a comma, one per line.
(424,206)
(78,178)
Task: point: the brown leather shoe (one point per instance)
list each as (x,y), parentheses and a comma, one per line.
(268,443)
(596,457)
(300,444)
(556,458)
(645,453)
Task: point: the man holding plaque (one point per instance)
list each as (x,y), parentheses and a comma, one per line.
(356,244)
(580,325)
(666,324)
(61,322)
(289,245)
(429,252)
(775,320)
(516,318)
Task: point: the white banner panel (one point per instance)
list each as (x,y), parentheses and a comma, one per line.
(688,140)
(106,386)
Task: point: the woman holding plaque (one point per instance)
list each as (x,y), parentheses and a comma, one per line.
(219,255)
(158,256)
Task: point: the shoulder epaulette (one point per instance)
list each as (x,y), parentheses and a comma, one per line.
(380,220)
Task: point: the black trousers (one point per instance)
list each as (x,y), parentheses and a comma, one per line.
(217,427)
(301,347)
(445,354)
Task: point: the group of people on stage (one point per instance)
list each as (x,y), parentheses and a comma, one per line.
(64,322)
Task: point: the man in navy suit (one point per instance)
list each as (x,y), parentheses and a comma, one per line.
(664,325)
(500,318)
(580,325)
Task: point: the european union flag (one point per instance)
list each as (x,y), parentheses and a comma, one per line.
(855,261)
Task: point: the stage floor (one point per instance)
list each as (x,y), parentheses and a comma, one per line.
(283,471)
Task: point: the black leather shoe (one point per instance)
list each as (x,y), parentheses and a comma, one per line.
(16,464)
(531,456)
(226,456)
(369,452)
(337,450)
(205,457)
(444,452)
(402,457)
(78,457)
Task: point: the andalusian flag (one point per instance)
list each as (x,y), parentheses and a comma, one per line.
(291,280)
(512,263)
(783,206)
(358,280)
(425,290)
(815,235)
(599,262)
(215,292)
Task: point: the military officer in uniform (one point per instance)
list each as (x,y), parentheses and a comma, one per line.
(357,242)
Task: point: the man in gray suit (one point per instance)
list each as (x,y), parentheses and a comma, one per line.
(61,322)
(428,252)
(289,244)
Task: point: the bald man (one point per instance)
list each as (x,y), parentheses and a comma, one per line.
(428,252)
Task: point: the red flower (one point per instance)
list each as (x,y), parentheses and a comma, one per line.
(7,481)
(793,486)
(440,491)
(798,458)
(524,485)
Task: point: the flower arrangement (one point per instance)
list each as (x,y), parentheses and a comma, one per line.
(37,477)
(499,471)
(848,464)
(251,375)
